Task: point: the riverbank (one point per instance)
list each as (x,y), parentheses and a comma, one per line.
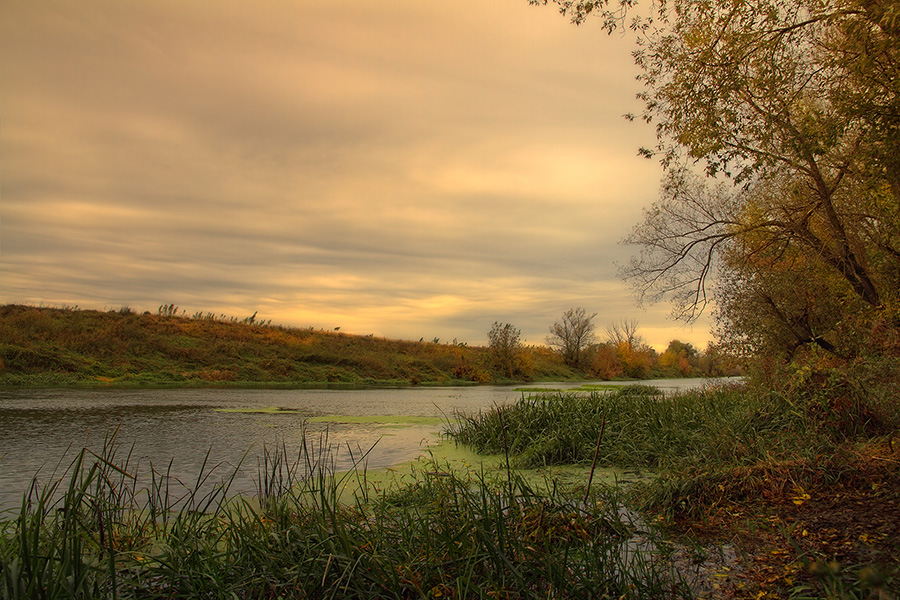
(749,497)
(53,347)
(43,347)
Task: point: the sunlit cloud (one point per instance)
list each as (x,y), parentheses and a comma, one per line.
(404,169)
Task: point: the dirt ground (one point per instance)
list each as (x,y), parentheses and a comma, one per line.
(840,540)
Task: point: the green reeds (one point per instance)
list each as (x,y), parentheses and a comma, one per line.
(704,447)
(94,532)
(643,428)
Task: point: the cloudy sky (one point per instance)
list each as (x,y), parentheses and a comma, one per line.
(405,168)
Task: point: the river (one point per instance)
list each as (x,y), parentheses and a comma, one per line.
(41,430)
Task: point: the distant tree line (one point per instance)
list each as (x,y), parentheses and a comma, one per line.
(622,354)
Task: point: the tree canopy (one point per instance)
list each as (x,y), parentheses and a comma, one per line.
(778,125)
(572,335)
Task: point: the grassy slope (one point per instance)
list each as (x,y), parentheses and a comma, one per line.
(51,346)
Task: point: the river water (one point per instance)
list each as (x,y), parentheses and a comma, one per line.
(178,430)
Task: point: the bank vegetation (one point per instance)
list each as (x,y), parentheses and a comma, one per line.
(43,346)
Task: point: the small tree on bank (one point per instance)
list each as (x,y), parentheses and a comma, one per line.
(637,358)
(679,359)
(572,335)
(506,348)
(624,332)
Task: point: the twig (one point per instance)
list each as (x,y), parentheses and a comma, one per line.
(594,463)
(505,451)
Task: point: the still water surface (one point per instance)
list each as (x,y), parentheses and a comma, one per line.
(41,430)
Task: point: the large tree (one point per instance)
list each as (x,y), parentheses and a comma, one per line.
(792,109)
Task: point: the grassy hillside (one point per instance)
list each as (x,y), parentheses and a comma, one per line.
(53,346)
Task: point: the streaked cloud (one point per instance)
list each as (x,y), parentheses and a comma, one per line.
(404,168)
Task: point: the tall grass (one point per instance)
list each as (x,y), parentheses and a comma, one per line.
(704,447)
(95,533)
(644,428)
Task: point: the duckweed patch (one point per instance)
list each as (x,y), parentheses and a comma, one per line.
(398,420)
(269,410)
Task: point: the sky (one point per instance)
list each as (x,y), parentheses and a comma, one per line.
(400,168)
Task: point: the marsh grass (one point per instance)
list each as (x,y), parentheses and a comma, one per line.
(644,428)
(95,532)
(704,446)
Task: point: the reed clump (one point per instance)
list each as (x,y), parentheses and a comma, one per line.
(704,446)
(644,428)
(95,532)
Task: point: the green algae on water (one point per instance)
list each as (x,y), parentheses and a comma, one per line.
(402,420)
(269,410)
